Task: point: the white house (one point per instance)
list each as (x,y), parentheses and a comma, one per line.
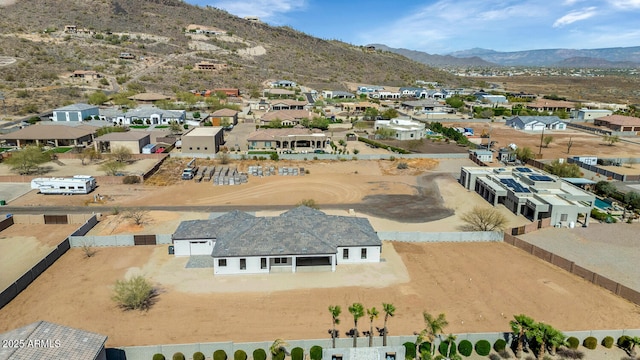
(590,114)
(485,156)
(147,115)
(536,123)
(75,112)
(297,240)
(405,129)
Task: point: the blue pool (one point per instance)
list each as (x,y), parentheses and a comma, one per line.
(601,204)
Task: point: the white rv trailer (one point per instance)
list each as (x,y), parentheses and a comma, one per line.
(79,184)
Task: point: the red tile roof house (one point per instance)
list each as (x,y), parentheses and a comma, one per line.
(619,122)
(288,117)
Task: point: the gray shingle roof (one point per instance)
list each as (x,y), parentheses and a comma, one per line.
(547,120)
(300,231)
(76,107)
(45,340)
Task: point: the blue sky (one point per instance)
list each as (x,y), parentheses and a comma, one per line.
(444,26)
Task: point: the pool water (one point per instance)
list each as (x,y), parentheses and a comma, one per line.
(601,204)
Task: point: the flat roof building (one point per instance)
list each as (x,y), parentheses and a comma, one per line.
(531,193)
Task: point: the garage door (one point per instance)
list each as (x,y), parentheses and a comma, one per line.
(56,219)
(200,248)
(144,239)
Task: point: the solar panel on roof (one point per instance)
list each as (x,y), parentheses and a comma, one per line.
(540,178)
(523,169)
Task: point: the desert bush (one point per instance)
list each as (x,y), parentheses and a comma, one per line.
(505,354)
(296,353)
(315,353)
(607,342)
(494,357)
(136,293)
(259,354)
(409,350)
(567,353)
(573,342)
(220,355)
(178,356)
(198,356)
(590,343)
(239,355)
(402,165)
(465,347)
(499,345)
(624,342)
(158,357)
(483,347)
(131,179)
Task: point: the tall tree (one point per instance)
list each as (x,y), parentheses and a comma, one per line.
(389,311)
(547,140)
(542,333)
(27,160)
(433,326)
(373,314)
(520,325)
(556,339)
(335,311)
(278,349)
(357,311)
(482,218)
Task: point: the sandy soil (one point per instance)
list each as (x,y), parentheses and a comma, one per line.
(70,167)
(583,143)
(24,245)
(479,286)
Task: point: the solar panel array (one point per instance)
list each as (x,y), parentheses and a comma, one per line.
(523,169)
(540,178)
(514,185)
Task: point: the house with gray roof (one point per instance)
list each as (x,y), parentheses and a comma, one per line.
(536,123)
(45,340)
(75,112)
(301,239)
(146,114)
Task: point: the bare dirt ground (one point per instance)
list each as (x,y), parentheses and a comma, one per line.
(24,245)
(583,143)
(479,286)
(70,167)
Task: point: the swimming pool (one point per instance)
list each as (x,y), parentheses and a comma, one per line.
(601,204)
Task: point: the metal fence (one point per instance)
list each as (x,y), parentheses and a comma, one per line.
(605,172)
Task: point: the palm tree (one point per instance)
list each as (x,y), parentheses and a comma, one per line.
(520,325)
(357,311)
(556,339)
(451,341)
(542,333)
(373,314)
(433,326)
(335,311)
(278,349)
(389,311)
(633,341)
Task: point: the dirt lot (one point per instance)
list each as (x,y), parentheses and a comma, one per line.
(479,286)
(583,143)
(24,245)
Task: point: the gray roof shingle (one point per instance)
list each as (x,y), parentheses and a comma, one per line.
(300,231)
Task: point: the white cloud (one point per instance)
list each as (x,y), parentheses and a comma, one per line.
(264,9)
(625,4)
(575,16)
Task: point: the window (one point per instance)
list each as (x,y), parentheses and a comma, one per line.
(222,262)
(411,135)
(206,148)
(263,263)
(72,187)
(563,217)
(190,148)
(276,260)
(363,253)
(345,253)
(198,148)
(267,144)
(283,260)
(243,264)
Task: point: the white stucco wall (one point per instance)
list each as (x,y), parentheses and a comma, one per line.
(233,266)
(193,247)
(373,254)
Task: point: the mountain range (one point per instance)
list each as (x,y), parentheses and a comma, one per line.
(620,57)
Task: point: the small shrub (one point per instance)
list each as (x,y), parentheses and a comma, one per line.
(198,356)
(402,165)
(499,345)
(465,348)
(392,158)
(425,347)
(259,354)
(494,357)
(238,355)
(178,356)
(567,353)
(136,293)
(409,350)
(607,342)
(296,353)
(315,353)
(573,342)
(624,342)
(590,343)
(483,347)
(158,357)
(220,355)
(131,179)
(447,346)
(505,354)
